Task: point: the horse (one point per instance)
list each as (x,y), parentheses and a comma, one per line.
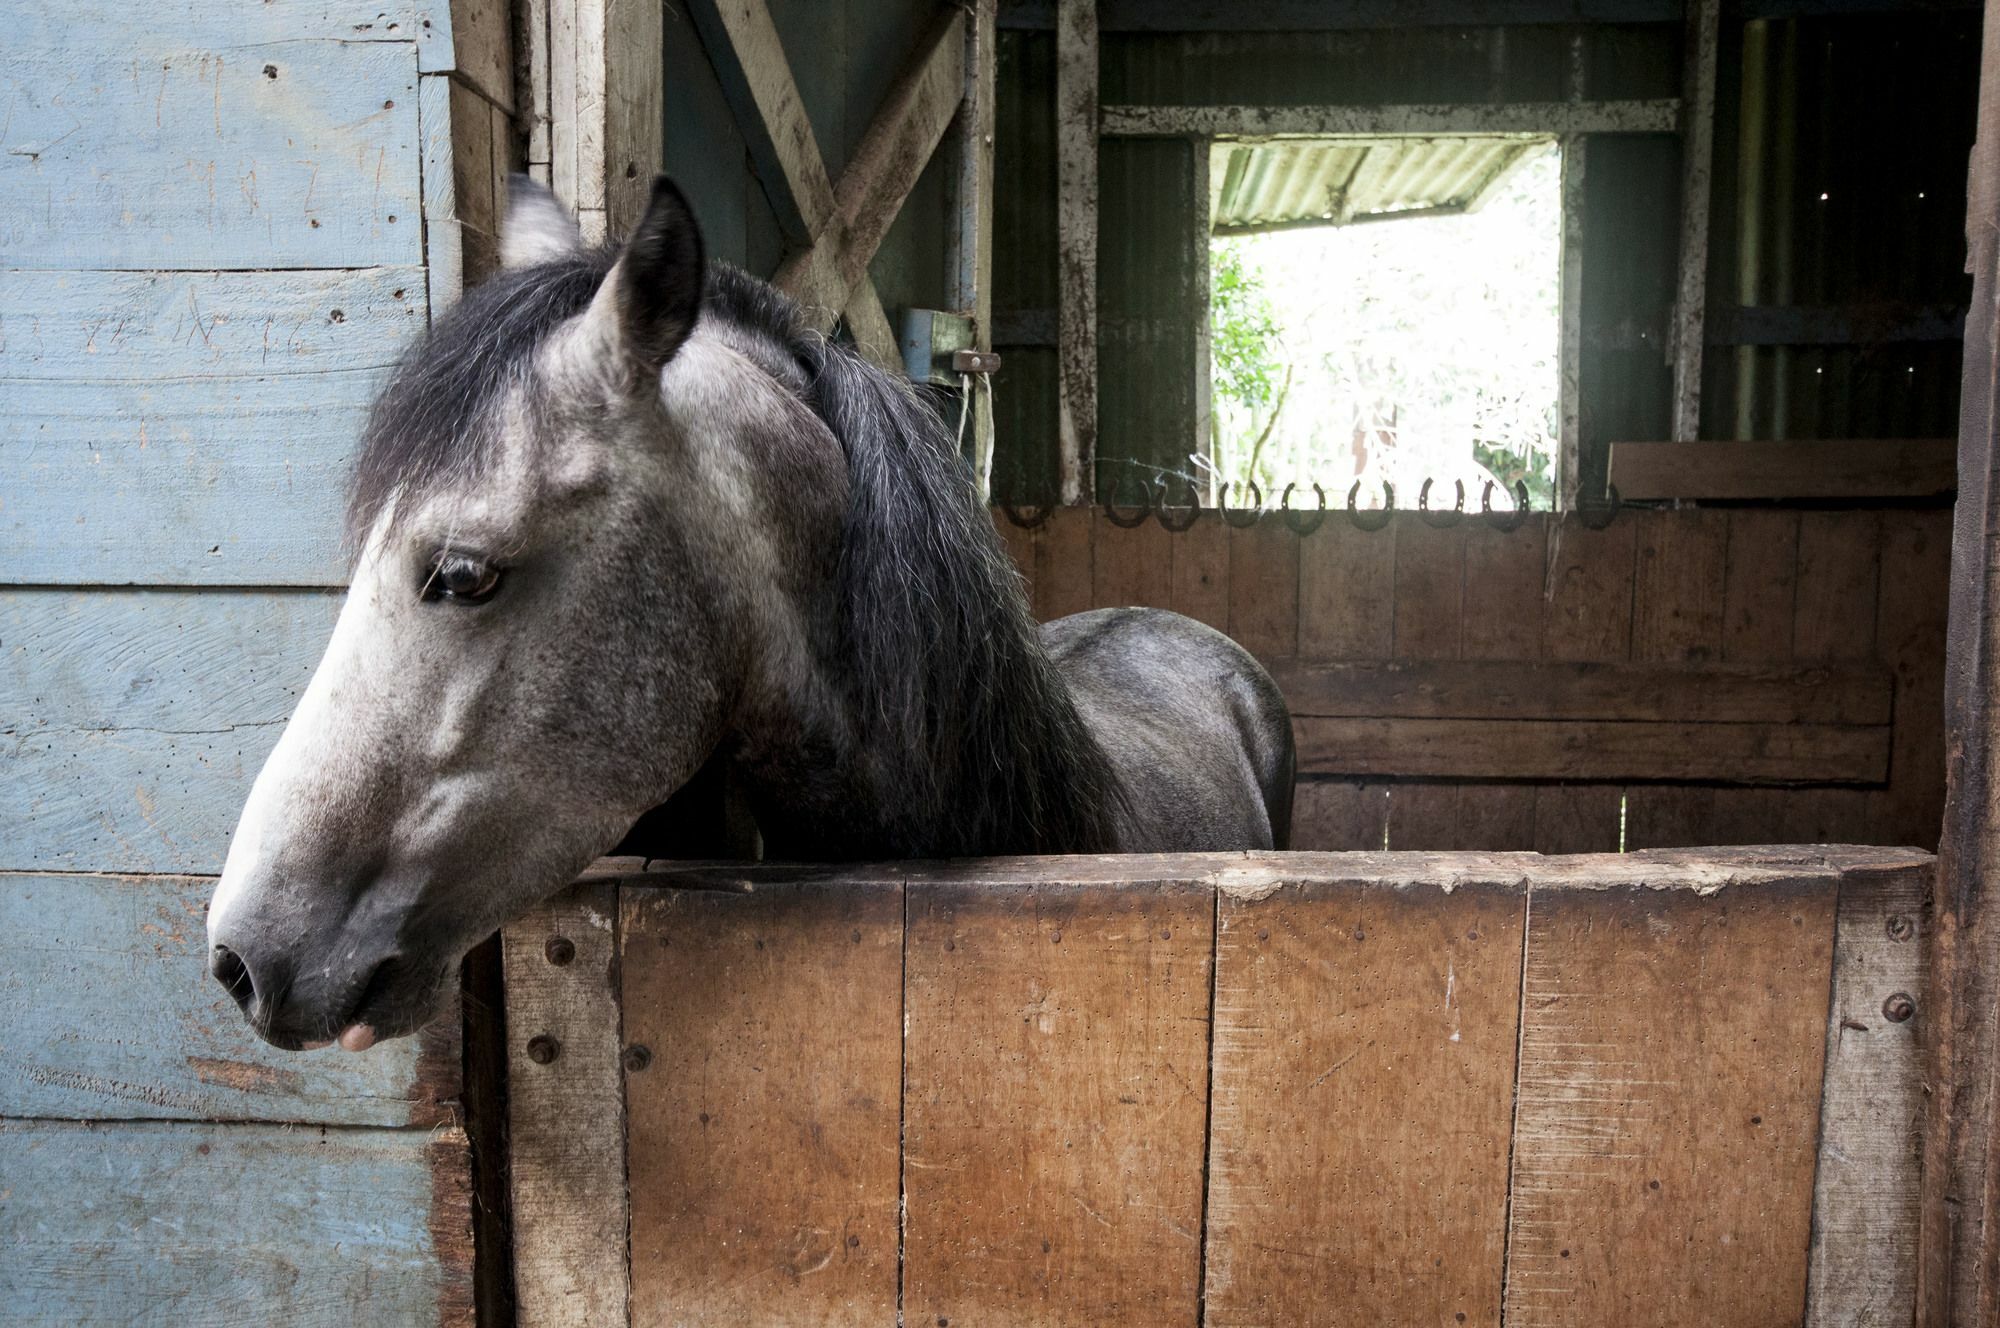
(636,551)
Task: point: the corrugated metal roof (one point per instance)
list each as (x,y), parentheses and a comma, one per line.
(1288,183)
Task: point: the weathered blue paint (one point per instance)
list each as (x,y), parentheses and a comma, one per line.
(109,1014)
(156,153)
(171,1224)
(212,24)
(135,721)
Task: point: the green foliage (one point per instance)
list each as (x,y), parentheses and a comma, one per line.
(1245,348)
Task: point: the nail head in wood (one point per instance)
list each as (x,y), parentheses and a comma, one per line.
(1898,1008)
(637,1058)
(559,951)
(543,1049)
(975,361)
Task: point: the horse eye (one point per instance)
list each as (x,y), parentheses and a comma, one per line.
(458,576)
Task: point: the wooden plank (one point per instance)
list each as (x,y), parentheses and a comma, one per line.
(1430,590)
(634,125)
(1020,544)
(1958,1254)
(176,428)
(109,1017)
(566,1111)
(1799,468)
(1063,564)
(306,155)
(1698,68)
(165,1222)
(1862,1266)
(1363,1077)
(1910,638)
(476,206)
(1589,615)
(1760,586)
(1264,588)
(1347,592)
(1668,1105)
(1594,750)
(140,719)
(1423,816)
(884,167)
(1659,116)
(1055,1101)
(969,242)
(1076,247)
(1130,566)
(1853,693)
(1569,342)
(764,1156)
(1679,585)
(1839,554)
(1339,816)
(1506,573)
(1200,557)
(444,236)
(482,42)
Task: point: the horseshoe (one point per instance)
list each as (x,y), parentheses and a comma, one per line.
(1382,515)
(1236,516)
(1302,525)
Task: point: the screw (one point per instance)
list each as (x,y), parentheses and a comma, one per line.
(542,1049)
(1898,1008)
(1900,927)
(637,1058)
(560,950)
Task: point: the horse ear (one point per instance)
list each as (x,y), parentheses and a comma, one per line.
(537,228)
(657,282)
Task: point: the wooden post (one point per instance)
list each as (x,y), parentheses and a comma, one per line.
(1076,245)
(605,134)
(1958,1281)
(971,238)
(1203,444)
(1691,291)
(1569,429)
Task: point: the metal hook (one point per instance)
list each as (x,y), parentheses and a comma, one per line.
(1451,518)
(1241,517)
(1382,515)
(1015,515)
(1597,516)
(1178,524)
(1302,525)
(1145,508)
(1505,520)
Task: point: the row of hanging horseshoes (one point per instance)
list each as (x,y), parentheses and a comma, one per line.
(1303,520)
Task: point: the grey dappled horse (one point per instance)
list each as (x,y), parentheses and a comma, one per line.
(626,527)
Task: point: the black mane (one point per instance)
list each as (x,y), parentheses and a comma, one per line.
(977,745)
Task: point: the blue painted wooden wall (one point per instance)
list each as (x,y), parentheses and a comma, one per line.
(220,222)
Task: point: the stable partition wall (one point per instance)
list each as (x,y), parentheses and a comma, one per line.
(1659,1088)
(1672,678)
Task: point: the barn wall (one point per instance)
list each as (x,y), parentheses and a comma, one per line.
(219,226)
(843,56)
(1565,689)
(1835,318)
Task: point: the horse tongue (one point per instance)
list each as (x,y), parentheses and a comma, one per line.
(357,1037)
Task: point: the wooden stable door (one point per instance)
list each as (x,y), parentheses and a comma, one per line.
(1667,1089)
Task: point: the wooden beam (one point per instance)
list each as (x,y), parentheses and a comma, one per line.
(1697,168)
(1958,1254)
(891,155)
(742,44)
(1797,468)
(1076,246)
(1593,750)
(970,241)
(1569,355)
(605,132)
(1661,116)
(1560,690)
(1343,15)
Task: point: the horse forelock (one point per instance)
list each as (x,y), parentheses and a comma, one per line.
(438,423)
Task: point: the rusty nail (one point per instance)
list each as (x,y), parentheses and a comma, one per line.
(1898,1008)
(542,1049)
(637,1057)
(560,950)
(1900,927)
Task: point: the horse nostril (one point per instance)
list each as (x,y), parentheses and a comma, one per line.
(232,973)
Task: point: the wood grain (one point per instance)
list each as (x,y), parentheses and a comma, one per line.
(1363,1093)
(189,427)
(1862,1267)
(1910,639)
(1339,815)
(161,1222)
(1793,468)
(1055,1101)
(104,993)
(1845,694)
(1586,615)
(1347,591)
(764,1124)
(1063,564)
(209,149)
(1264,588)
(1130,566)
(1429,591)
(1667,1119)
(1593,750)
(566,1115)
(1200,557)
